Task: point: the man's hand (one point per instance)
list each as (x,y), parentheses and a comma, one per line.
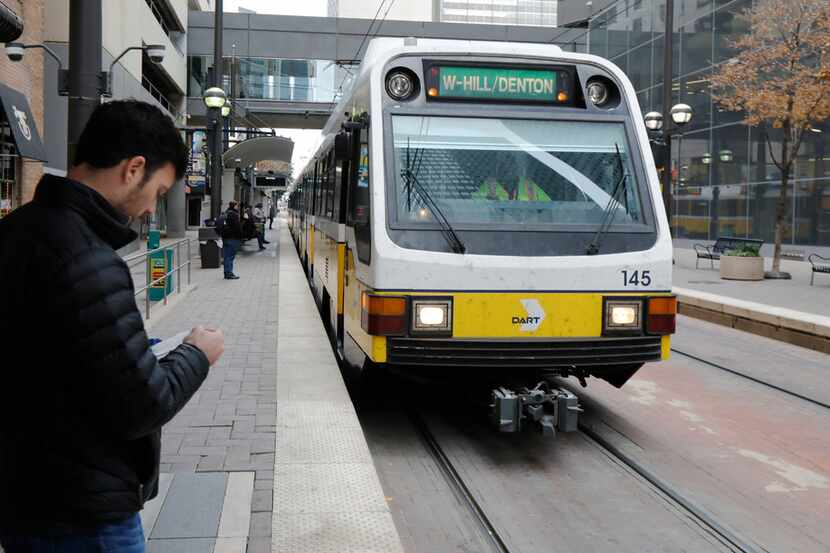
(210,340)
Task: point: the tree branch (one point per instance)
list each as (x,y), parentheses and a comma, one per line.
(771,154)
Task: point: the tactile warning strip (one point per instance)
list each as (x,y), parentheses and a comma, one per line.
(327,496)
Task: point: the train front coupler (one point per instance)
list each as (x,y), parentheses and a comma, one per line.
(548,409)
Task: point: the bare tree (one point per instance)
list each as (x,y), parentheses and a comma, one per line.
(780,77)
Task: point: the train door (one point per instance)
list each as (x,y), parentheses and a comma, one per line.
(341,179)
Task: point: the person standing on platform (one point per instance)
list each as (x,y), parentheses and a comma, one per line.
(272,212)
(258,215)
(231,239)
(82,396)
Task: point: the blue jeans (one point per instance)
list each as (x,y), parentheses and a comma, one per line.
(125,536)
(230,247)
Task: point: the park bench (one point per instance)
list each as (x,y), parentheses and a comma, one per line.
(820,265)
(721,245)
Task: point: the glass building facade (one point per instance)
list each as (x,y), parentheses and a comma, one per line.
(500,12)
(724,180)
(271,78)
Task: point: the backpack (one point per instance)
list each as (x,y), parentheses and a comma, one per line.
(219,225)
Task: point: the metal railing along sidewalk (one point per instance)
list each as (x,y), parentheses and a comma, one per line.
(144,256)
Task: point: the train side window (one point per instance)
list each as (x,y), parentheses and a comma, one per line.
(330,184)
(319,186)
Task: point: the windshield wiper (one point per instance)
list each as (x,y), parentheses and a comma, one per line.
(611,209)
(446,229)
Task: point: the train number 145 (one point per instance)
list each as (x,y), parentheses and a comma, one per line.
(636,278)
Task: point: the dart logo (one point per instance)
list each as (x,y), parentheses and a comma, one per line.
(533,319)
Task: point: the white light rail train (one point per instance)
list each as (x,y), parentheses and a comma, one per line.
(489,210)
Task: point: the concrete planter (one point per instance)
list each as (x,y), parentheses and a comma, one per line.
(733,267)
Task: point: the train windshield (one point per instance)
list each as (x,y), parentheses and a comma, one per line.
(478,172)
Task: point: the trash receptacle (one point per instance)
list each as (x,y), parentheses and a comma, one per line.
(209,249)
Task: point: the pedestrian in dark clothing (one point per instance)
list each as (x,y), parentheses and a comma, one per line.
(231,239)
(272,212)
(82,396)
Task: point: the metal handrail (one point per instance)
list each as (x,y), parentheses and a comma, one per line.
(145,255)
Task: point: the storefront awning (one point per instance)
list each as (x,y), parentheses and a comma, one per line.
(22,123)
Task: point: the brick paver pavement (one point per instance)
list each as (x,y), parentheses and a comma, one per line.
(229,425)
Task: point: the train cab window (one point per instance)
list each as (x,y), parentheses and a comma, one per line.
(514,173)
(340,190)
(359,198)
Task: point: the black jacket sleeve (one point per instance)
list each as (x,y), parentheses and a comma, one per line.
(119,384)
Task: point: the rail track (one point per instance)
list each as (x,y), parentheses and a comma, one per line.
(708,522)
(703,518)
(456,483)
(752,378)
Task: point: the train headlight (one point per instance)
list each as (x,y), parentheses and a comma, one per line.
(601,92)
(597,93)
(401,84)
(432,315)
(623,315)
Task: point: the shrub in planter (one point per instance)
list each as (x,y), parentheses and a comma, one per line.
(742,263)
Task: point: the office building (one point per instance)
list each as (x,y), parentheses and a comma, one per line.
(724,181)
(492,12)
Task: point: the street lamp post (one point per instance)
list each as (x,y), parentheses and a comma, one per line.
(660,137)
(214,99)
(85,47)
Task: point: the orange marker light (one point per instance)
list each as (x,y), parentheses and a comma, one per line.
(562,96)
(383,305)
(661,318)
(433,91)
(383,315)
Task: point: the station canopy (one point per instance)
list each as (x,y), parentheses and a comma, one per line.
(277,149)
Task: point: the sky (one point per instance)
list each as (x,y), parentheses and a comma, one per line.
(281,7)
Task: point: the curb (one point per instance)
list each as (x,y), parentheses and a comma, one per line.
(787,325)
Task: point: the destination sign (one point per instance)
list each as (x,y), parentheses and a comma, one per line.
(495,83)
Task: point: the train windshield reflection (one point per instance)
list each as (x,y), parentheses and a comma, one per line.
(512,171)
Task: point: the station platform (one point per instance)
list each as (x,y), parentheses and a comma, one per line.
(788,310)
(269,455)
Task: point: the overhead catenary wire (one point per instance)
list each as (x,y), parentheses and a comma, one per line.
(366,35)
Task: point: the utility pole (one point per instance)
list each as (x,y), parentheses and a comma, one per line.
(215,118)
(668,70)
(85,47)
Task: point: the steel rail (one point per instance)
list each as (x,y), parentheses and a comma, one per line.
(701,516)
(753,379)
(456,483)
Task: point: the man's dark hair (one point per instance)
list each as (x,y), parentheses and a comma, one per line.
(123,129)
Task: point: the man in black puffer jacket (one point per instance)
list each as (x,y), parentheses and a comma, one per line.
(82,397)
